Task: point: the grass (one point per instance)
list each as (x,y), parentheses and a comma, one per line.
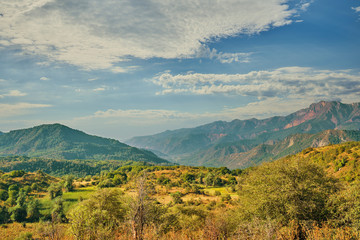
(70,198)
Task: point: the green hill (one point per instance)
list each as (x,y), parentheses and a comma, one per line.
(61,142)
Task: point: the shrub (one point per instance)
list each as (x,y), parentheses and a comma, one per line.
(291,189)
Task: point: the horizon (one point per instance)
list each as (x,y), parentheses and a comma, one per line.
(124,140)
(134,69)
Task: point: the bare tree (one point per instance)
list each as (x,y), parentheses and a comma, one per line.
(139,209)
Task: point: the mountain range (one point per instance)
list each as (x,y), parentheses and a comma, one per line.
(235,144)
(61,142)
(243,143)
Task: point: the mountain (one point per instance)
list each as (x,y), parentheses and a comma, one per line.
(61,142)
(290,145)
(185,145)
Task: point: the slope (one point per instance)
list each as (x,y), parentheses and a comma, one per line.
(61,142)
(290,145)
(183,143)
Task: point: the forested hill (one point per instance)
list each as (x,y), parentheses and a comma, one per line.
(61,142)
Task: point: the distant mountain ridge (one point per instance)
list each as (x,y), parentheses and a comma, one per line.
(290,145)
(61,142)
(186,145)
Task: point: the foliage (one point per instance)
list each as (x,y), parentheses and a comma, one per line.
(176,197)
(59,168)
(18,213)
(4,215)
(68,183)
(345,207)
(286,190)
(33,210)
(97,217)
(57,213)
(25,236)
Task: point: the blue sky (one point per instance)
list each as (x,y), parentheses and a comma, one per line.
(127,68)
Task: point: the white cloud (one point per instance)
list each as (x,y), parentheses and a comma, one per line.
(205,52)
(356,9)
(123,69)
(100,89)
(99,34)
(10,110)
(305,6)
(44,79)
(282,82)
(13,93)
(93,79)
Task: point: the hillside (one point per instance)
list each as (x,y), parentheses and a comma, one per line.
(61,142)
(341,160)
(291,145)
(59,168)
(184,145)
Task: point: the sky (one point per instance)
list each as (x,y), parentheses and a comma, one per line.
(127,68)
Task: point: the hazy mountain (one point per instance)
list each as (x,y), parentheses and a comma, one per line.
(290,145)
(61,142)
(242,135)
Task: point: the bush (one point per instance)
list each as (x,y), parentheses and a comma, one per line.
(25,236)
(99,216)
(291,189)
(176,197)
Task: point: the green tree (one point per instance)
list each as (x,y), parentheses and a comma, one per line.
(3,195)
(33,210)
(69,183)
(18,213)
(188,177)
(55,190)
(99,216)
(345,207)
(57,213)
(13,194)
(288,189)
(4,215)
(21,198)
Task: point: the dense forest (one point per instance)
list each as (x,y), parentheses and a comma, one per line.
(311,195)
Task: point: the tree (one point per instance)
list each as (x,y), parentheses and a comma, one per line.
(33,210)
(21,198)
(139,209)
(54,190)
(13,192)
(18,213)
(4,215)
(345,207)
(288,189)
(3,195)
(57,213)
(99,216)
(188,177)
(69,183)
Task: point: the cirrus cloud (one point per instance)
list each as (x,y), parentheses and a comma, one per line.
(105,33)
(11,110)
